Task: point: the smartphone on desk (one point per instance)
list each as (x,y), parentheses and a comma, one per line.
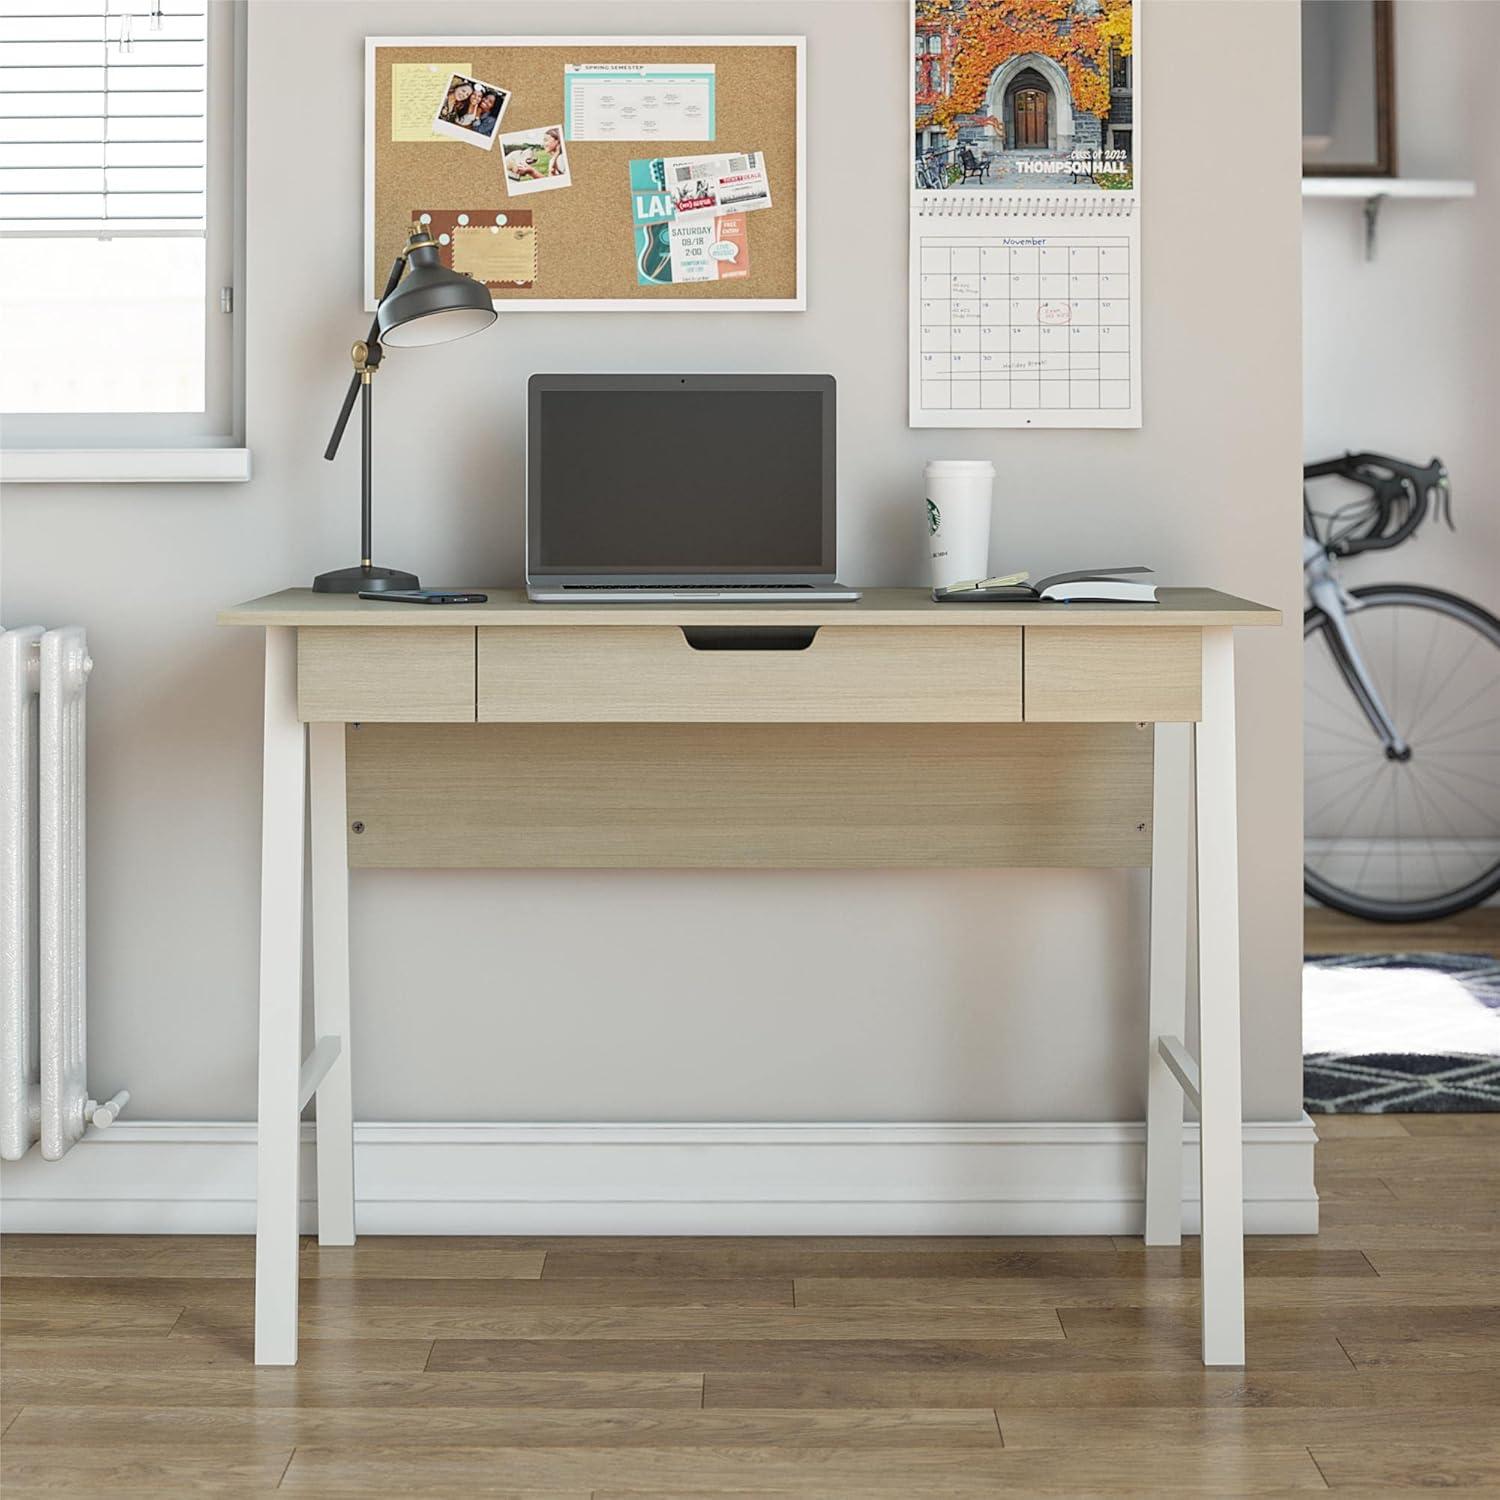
(425,596)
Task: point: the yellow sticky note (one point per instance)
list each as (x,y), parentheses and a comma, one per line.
(416,92)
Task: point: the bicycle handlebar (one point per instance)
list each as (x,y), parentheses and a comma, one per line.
(1395,486)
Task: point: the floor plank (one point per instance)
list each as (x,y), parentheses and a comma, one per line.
(193,1356)
(1451,1125)
(748,1258)
(1402,1288)
(44,1467)
(68,1255)
(1303,1260)
(603,1324)
(1426,1460)
(1088,1325)
(422,1256)
(308,1387)
(754,1259)
(1239,1427)
(1477,931)
(1439,1351)
(127,1427)
(1321,1352)
(1081,1394)
(954,1472)
(1363,1127)
(427,1294)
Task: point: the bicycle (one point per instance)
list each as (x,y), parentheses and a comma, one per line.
(1401,712)
(931,172)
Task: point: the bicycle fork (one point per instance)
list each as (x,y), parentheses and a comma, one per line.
(1325,590)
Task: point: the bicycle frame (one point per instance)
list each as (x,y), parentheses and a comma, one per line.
(1329,595)
(1401,493)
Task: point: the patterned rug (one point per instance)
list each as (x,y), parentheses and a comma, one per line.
(1401,1033)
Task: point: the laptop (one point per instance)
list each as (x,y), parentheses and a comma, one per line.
(709,488)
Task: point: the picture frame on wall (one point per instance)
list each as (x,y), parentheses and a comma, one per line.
(1348,88)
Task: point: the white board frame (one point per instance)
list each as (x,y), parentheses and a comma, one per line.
(797,303)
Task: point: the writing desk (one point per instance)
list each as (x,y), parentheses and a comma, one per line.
(893,732)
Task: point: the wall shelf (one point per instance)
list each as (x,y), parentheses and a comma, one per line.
(1373,191)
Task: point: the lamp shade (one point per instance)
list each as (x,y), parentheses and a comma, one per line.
(432,304)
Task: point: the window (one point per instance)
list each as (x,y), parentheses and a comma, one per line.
(1120,71)
(118,186)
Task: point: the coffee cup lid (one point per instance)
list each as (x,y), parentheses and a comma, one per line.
(960,466)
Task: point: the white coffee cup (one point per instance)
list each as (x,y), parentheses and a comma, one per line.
(959,495)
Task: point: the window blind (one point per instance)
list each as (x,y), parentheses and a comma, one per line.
(103,116)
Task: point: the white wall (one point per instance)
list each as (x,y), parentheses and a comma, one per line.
(1402,354)
(965,996)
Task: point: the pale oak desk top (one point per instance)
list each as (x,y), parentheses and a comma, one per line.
(1178,608)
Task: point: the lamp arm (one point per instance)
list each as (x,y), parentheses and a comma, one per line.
(372,360)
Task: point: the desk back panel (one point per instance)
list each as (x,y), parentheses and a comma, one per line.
(749,796)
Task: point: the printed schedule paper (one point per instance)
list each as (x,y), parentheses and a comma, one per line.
(638,101)
(1025,302)
(1024,320)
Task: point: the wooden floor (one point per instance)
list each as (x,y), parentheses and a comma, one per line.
(1469,932)
(692,1368)
(916,1368)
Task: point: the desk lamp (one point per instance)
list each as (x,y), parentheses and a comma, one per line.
(432,306)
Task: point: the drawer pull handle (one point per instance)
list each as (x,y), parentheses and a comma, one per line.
(749,637)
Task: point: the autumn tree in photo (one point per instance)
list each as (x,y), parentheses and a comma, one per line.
(1078,35)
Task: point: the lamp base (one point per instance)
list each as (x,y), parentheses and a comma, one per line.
(371,580)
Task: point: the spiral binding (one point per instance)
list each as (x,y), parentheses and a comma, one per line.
(1029,205)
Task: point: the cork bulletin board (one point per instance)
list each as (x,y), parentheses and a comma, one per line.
(575,246)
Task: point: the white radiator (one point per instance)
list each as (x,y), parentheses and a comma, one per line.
(43,1076)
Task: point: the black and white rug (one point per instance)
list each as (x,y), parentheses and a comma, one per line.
(1401,1033)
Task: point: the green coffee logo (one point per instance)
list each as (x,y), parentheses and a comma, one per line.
(934,519)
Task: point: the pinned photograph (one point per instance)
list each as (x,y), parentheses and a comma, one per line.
(535,160)
(470,111)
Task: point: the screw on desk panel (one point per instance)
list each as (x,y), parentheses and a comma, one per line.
(1140,827)
(358,827)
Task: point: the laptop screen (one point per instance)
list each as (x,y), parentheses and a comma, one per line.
(709,476)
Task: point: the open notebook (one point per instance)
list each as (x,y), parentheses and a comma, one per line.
(1081,586)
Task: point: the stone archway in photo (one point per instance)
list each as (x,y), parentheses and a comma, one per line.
(1049,75)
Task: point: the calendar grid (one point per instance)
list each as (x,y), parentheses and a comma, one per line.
(1017,322)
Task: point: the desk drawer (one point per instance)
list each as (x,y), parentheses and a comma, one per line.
(644,673)
(1142,674)
(385,675)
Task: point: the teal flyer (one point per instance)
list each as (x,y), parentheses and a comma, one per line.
(650,201)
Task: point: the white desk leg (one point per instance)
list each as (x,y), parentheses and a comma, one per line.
(1223,1241)
(330,925)
(1167,1013)
(281,844)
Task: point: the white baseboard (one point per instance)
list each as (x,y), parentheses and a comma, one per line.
(186,1178)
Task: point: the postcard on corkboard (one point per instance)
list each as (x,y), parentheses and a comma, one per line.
(495,246)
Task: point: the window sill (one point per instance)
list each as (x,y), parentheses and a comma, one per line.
(125,465)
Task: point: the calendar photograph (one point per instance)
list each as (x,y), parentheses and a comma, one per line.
(1024,95)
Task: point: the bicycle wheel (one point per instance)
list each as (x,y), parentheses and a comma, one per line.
(1416,839)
